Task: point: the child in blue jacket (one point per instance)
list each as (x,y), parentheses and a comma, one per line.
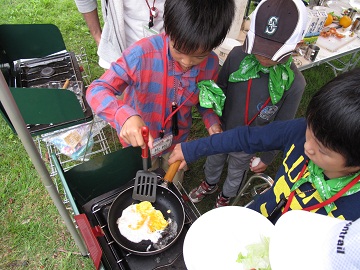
(320,171)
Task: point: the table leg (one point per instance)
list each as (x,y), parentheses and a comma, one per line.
(345,66)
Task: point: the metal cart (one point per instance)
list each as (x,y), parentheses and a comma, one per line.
(35,112)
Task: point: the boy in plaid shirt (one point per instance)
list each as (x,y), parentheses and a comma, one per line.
(157,78)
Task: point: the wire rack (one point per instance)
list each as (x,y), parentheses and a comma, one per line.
(84,66)
(94,143)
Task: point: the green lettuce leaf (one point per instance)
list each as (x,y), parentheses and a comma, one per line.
(256,255)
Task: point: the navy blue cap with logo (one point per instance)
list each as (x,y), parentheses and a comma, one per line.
(275,29)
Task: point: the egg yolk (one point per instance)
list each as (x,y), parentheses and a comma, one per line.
(156,220)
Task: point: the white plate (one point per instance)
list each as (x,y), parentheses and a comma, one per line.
(217,237)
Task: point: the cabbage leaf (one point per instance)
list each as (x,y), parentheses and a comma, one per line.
(256,255)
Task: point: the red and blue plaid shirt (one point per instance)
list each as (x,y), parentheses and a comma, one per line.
(138,75)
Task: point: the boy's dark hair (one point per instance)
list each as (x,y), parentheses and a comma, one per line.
(198,24)
(333,116)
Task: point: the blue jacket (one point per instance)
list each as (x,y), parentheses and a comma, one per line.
(289,137)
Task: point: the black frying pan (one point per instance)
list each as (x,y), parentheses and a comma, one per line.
(169,205)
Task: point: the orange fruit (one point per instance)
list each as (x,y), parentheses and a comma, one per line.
(329,20)
(345,21)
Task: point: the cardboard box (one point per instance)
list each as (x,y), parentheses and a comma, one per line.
(316,21)
(322,18)
(313,18)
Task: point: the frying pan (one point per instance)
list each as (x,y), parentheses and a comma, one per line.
(170,206)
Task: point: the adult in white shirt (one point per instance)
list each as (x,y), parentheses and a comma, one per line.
(125,22)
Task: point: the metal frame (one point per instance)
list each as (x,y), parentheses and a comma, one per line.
(16,118)
(344,66)
(100,145)
(333,59)
(255,185)
(35,35)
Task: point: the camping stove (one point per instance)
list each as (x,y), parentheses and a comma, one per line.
(39,71)
(115,257)
(51,72)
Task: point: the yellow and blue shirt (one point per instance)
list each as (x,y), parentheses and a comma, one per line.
(289,137)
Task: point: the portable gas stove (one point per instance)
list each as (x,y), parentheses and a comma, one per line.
(35,56)
(115,257)
(57,67)
(43,77)
(51,72)
(61,70)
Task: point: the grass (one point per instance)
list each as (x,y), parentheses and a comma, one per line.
(32,231)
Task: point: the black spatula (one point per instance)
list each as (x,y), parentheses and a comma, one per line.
(145,181)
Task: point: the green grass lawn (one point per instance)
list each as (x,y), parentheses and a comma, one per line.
(33,235)
(32,232)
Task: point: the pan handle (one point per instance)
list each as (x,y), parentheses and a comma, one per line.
(145,134)
(169,176)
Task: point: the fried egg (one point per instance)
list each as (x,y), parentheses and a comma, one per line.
(142,221)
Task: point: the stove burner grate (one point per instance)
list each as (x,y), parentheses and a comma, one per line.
(115,257)
(47,72)
(51,68)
